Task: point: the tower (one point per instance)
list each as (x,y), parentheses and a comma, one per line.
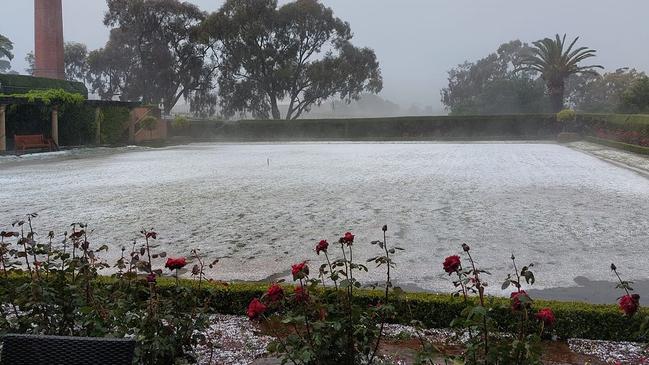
(48,34)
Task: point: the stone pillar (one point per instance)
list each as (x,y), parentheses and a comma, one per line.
(98,125)
(55,125)
(3,131)
(48,39)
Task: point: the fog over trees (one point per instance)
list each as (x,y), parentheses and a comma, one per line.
(299,59)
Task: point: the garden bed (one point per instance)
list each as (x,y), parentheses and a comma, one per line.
(243,342)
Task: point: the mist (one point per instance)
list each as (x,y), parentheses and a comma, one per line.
(416,41)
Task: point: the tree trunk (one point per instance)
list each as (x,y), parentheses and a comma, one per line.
(556,93)
(274,108)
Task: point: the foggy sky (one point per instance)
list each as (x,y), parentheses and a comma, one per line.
(416,41)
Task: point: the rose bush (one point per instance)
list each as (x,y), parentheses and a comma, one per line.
(488,342)
(62,292)
(321,323)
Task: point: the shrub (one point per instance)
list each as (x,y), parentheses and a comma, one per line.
(536,126)
(114,126)
(328,324)
(77,125)
(180,122)
(55,288)
(566,115)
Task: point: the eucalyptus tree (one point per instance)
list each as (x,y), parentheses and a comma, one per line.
(6,48)
(555,60)
(75,56)
(299,53)
(151,54)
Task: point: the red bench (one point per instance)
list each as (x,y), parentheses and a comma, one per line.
(32,141)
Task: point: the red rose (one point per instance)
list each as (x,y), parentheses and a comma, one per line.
(301,295)
(520,300)
(348,238)
(300,271)
(630,304)
(452,264)
(546,316)
(255,309)
(275,292)
(321,246)
(175,264)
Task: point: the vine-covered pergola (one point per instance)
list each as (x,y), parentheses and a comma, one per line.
(54,106)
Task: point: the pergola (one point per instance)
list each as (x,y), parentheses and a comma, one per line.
(97,104)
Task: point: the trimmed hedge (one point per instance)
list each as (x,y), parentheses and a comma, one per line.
(627,122)
(621,145)
(515,126)
(77,125)
(114,125)
(20,84)
(574,319)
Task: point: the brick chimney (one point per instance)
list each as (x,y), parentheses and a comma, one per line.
(48,50)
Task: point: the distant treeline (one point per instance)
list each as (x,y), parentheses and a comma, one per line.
(500,84)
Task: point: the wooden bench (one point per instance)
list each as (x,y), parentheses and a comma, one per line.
(32,141)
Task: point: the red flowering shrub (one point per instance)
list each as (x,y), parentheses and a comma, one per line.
(275,293)
(626,136)
(477,322)
(301,294)
(327,322)
(347,238)
(175,264)
(255,309)
(322,246)
(520,300)
(168,323)
(452,264)
(300,271)
(546,316)
(629,304)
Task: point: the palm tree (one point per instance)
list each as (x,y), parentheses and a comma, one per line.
(556,64)
(6,46)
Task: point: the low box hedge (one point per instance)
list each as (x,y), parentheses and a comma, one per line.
(574,319)
(621,145)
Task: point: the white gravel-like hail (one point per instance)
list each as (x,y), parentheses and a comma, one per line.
(234,340)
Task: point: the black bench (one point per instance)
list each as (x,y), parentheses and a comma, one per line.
(59,350)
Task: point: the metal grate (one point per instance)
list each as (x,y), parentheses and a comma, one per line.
(58,350)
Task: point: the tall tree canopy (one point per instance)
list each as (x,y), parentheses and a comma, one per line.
(6,48)
(556,62)
(492,85)
(636,98)
(151,55)
(299,53)
(596,93)
(75,56)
